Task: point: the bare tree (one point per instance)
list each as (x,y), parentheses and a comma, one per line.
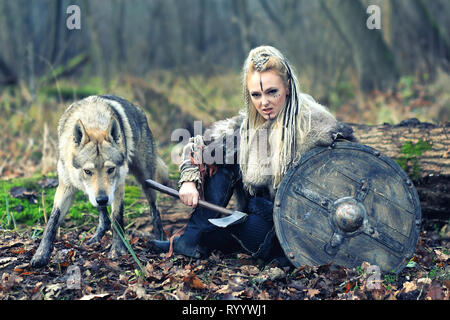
(56,27)
(373,58)
(243,22)
(120,33)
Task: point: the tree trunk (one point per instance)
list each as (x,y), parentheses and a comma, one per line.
(57,26)
(429,169)
(201,35)
(243,23)
(435,41)
(9,76)
(372,57)
(121,53)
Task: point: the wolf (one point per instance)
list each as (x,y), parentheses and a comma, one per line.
(100,140)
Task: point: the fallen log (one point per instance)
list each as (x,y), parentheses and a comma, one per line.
(423,151)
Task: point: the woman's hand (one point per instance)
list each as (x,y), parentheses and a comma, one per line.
(189,194)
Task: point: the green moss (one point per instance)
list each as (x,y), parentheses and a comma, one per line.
(30,211)
(411,155)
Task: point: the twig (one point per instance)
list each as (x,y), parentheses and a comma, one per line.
(239,275)
(420,293)
(163,290)
(256,287)
(350,280)
(43,207)
(172,295)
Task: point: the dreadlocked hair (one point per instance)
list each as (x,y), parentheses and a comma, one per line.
(290,126)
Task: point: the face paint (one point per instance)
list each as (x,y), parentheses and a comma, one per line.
(267,92)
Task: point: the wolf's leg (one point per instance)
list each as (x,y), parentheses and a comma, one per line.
(143,167)
(155,217)
(103,225)
(118,248)
(61,204)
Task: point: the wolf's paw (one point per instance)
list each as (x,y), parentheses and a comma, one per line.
(39,260)
(117,249)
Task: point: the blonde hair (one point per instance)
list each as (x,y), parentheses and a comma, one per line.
(294,120)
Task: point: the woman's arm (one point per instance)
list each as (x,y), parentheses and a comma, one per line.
(190,176)
(193,166)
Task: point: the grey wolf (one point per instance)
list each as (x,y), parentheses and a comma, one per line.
(100,140)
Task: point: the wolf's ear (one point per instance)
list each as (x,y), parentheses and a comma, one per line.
(79,133)
(113,131)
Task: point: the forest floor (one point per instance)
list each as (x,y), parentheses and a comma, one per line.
(78,271)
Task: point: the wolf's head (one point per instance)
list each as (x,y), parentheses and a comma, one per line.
(100,156)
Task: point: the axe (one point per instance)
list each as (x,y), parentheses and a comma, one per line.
(233,217)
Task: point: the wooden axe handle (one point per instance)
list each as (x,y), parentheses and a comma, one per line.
(174,193)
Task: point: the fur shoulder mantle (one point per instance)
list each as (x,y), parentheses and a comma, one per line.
(324,129)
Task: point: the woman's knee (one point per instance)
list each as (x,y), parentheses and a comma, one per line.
(219,187)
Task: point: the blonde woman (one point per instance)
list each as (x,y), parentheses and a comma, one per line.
(248,155)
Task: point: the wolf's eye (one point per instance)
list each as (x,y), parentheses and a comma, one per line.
(110,170)
(88,172)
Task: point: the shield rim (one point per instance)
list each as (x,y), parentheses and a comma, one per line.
(344,144)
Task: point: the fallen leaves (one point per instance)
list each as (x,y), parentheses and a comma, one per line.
(312,292)
(222,277)
(193,281)
(97,296)
(53,291)
(17,250)
(9,280)
(409,286)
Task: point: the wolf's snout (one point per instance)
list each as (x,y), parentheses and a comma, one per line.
(102,200)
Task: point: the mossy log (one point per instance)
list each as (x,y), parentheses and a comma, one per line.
(426,159)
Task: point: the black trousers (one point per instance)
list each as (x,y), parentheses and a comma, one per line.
(256,236)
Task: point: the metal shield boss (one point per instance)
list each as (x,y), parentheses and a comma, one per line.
(347,204)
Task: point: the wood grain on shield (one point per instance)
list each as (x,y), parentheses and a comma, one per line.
(347,204)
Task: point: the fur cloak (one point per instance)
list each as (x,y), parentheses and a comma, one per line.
(220,144)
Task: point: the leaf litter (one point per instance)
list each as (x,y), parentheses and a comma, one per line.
(78,271)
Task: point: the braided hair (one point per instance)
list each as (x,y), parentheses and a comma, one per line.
(294,120)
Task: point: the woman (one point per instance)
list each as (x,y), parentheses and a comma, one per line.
(277,126)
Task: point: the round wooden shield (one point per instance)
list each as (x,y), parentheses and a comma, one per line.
(347,204)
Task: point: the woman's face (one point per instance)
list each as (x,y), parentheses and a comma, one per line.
(267,93)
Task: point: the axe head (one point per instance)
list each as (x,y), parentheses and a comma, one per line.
(234,218)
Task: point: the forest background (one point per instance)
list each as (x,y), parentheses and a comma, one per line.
(180,60)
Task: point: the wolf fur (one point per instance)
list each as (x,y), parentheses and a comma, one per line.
(101,139)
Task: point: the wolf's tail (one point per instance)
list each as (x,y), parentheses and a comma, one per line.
(162,171)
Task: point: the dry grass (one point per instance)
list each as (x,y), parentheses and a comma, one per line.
(29,122)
